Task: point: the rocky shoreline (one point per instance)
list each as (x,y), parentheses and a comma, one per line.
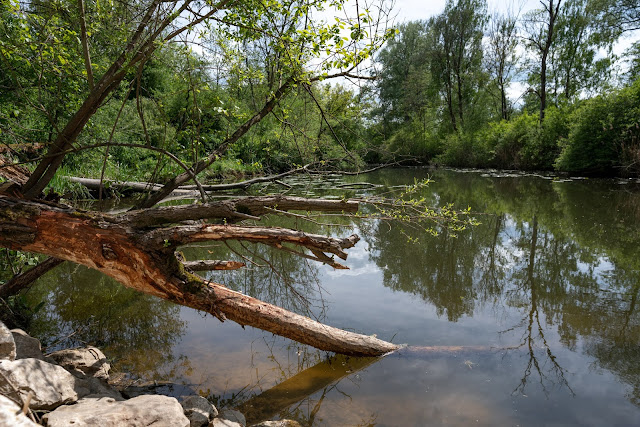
(71,387)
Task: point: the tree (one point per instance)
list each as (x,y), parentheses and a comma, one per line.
(617,16)
(540,32)
(501,56)
(575,67)
(402,79)
(138,248)
(456,56)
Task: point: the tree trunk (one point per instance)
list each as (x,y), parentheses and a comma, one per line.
(125,248)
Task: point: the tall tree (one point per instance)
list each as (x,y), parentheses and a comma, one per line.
(457,56)
(402,81)
(540,27)
(577,64)
(501,55)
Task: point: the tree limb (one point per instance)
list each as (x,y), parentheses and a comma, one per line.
(22,280)
(141,261)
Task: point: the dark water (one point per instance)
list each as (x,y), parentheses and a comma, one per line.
(542,297)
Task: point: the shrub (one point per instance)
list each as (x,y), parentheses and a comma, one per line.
(605,135)
(465,150)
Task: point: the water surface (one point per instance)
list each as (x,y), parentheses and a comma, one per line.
(541,296)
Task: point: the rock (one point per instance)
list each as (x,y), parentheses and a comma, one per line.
(159,411)
(26,346)
(279,423)
(83,362)
(100,388)
(221,422)
(7,344)
(229,417)
(50,384)
(198,410)
(10,415)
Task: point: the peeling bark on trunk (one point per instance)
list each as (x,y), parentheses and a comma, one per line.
(143,259)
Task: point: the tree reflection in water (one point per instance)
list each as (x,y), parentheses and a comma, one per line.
(136,331)
(564,255)
(557,266)
(534,330)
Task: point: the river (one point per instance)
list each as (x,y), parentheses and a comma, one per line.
(533,313)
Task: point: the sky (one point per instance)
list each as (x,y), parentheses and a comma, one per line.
(411,10)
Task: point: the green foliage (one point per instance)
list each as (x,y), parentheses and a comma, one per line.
(521,143)
(16,311)
(416,138)
(506,139)
(605,135)
(465,150)
(633,55)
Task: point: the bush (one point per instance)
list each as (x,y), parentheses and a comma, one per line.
(605,136)
(465,150)
(412,139)
(523,143)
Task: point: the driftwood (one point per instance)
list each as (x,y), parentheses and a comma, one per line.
(13,172)
(127,248)
(136,186)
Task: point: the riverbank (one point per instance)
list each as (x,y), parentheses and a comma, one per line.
(73,386)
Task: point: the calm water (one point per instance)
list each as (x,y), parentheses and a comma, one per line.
(542,297)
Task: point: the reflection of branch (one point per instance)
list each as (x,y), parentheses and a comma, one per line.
(533,362)
(269,403)
(533,320)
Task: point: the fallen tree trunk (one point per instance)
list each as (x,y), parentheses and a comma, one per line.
(144,259)
(95,184)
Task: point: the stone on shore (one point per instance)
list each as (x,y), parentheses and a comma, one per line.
(198,410)
(141,411)
(221,422)
(7,344)
(50,385)
(229,418)
(83,362)
(27,347)
(278,423)
(11,415)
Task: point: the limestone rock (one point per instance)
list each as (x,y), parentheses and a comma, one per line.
(278,423)
(50,384)
(158,411)
(7,344)
(26,346)
(229,418)
(198,410)
(10,414)
(100,388)
(83,362)
(221,422)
